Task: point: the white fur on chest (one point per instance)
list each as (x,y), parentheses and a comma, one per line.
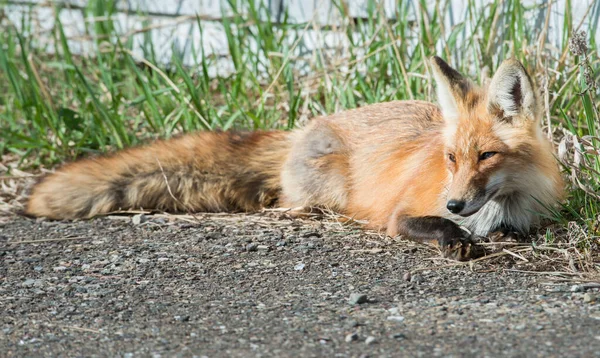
(513,211)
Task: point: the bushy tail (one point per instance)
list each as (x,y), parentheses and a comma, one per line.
(199,172)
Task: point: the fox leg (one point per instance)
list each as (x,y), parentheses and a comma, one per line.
(445,234)
(316,170)
(508,233)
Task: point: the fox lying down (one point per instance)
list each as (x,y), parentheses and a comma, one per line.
(479,163)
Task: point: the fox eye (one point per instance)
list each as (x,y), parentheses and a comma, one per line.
(452,158)
(486,155)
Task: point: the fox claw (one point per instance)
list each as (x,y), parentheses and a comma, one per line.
(461,248)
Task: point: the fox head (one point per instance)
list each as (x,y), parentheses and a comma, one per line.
(493,144)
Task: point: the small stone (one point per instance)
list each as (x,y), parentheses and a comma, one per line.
(28,283)
(352,324)
(576,288)
(520,327)
(406,276)
(143,260)
(416,278)
(357,299)
(263,248)
(588,297)
(59,268)
(312,234)
(139,219)
(185,318)
(394,311)
(299,266)
(251,247)
(352,337)
(39,268)
(398,336)
(396,318)
(370,340)
(163,259)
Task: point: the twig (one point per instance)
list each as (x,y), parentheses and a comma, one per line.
(283,65)
(164,175)
(185,206)
(515,255)
(172,85)
(81,329)
(38,79)
(47,240)
(398,57)
(462,263)
(553,273)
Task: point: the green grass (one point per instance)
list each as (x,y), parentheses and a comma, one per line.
(59,107)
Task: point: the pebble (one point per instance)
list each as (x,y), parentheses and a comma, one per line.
(370,340)
(263,248)
(162,221)
(588,297)
(185,318)
(398,336)
(416,278)
(576,288)
(352,324)
(39,268)
(520,327)
(396,318)
(59,268)
(139,219)
(213,235)
(406,276)
(394,311)
(299,266)
(251,247)
(29,283)
(357,298)
(352,337)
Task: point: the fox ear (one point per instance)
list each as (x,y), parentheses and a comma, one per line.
(451,87)
(511,92)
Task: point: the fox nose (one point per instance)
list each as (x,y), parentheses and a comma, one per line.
(455,206)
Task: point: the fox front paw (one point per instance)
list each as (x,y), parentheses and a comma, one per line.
(461,248)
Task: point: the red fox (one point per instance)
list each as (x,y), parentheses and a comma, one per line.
(477,164)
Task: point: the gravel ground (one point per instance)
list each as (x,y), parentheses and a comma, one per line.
(245,286)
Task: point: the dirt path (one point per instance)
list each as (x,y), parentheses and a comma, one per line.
(244,287)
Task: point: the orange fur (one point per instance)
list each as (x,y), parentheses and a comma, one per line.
(384,163)
(197,172)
